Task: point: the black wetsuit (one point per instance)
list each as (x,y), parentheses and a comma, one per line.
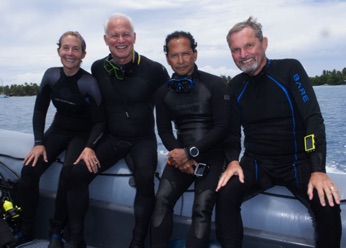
(130,133)
(276,108)
(78,123)
(200,121)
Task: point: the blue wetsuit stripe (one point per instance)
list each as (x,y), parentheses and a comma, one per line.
(292,110)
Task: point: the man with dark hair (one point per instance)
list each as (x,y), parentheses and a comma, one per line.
(195,101)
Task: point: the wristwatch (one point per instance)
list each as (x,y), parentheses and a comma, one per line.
(194,152)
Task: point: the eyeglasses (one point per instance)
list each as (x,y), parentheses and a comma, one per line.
(180,85)
(113,69)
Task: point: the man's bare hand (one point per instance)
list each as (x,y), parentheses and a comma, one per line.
(325,187)
(177,157)
(233,169)
(89,157)
(188,167)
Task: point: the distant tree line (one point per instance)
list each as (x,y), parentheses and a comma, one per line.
(328,77)
(19,89)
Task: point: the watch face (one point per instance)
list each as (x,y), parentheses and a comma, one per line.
(194,151)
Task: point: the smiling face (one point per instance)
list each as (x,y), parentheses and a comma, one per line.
(248,51)
(71,54)
(120,38)
(180,56)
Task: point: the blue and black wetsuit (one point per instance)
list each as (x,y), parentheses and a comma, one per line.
(129,103)
(276,108)
(78,123)
(200,121)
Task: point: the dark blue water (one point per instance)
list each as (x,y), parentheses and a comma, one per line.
(16,115)
(332,101)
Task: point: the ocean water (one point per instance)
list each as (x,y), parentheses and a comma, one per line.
(16,115)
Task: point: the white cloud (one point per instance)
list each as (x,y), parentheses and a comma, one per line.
(311,31)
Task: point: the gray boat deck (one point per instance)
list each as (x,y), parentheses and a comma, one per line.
(37,244)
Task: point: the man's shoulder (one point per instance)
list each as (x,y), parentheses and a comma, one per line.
(284,62)
(238,78)
(145,61)
(97,67)
(152,68)
(99,61)
(209,77)
(207,74)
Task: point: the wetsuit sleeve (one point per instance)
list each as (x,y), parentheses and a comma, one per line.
(310,112)
(98,123)
(89,84)
(40,109)
(233,138)
(163,121)
(162,76)
(97,113)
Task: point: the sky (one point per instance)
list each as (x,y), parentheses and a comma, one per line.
(312,31)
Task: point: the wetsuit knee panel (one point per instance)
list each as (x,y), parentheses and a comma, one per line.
(164,202)
(202,211)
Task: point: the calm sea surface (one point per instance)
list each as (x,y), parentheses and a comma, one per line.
(16,115)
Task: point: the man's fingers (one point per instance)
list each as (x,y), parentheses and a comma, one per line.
(334,195)
(310,191)
(220,184)
(241,176)
(223,180)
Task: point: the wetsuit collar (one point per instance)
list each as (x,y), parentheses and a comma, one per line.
(263,71)
(136,59)
(125,69)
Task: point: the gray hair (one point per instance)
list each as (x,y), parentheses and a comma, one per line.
(75,34)
(251,23)
(118,16)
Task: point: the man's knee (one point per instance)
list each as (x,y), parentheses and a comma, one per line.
(232,193)
(79,176)
(202,211)
(162,204)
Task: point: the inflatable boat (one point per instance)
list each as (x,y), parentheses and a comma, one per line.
(272,219)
